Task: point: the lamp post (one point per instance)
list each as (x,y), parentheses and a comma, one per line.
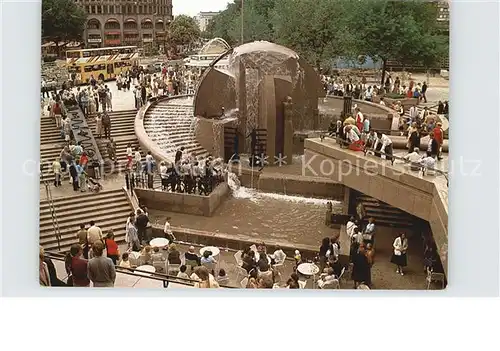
(242,13)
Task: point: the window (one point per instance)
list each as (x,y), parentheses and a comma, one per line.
(111,9)
(92,68)
(74,69)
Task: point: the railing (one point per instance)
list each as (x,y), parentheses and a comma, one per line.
(165,278)
(421,168)
(182,184)
(52,208)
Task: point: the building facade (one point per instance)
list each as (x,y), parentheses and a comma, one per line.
(204,18)
(143,23)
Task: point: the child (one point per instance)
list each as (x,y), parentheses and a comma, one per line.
(222,278)
(298,258)
(146,255)
(182,272)
(125,262)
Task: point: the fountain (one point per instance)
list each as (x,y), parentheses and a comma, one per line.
(271,90)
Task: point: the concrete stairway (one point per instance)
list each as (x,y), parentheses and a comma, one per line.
(109,210)
(51,143)
(171,127)
(122,131)
(384,214)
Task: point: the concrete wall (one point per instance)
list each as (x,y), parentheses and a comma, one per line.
(417,196)
(183,203)
(210,134)
(290,184)
(216,90)
(300,185)
(381,117)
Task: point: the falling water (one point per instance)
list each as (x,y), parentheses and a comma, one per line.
(241,192)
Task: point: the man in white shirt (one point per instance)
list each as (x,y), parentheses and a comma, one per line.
(368,94)
(428,161)
(94,233)
(413,113)
(414,158)
(168,231)
(386,148)
(137,155)
(351,135)
(382,102)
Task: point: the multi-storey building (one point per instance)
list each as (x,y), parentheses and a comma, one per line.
(204,19)
(142,23)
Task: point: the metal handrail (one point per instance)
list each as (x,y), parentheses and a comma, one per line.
(150,275)
(141,180)
(53,214)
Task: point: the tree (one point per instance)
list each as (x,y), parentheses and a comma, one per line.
(316,29)
(400,30)
(62,20)
(257,24)
(184,31)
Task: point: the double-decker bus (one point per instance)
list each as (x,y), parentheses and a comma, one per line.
(100,63)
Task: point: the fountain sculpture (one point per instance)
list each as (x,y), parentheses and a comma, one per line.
(270,91)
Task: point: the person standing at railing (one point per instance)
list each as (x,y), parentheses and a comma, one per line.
(433,146)
(386,150)
(359,119)
(101,270)
(77,267)
(439,136)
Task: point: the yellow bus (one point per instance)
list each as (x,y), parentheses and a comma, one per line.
(106,67)
(80,53)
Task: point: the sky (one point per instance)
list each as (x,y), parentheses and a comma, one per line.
(192,7)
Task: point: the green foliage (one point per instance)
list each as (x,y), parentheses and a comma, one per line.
(405,31)
(316,29)
(62,20)
(184,31)
(320,30)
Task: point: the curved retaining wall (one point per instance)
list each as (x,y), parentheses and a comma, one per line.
(140,132)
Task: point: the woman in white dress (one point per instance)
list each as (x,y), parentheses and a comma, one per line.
(98,125)
(399,256)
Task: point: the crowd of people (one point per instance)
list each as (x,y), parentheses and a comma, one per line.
(171,81)
(356,134)
(359,88)
(187,174)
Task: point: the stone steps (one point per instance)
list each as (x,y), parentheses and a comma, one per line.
(384,214)
(109,209)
